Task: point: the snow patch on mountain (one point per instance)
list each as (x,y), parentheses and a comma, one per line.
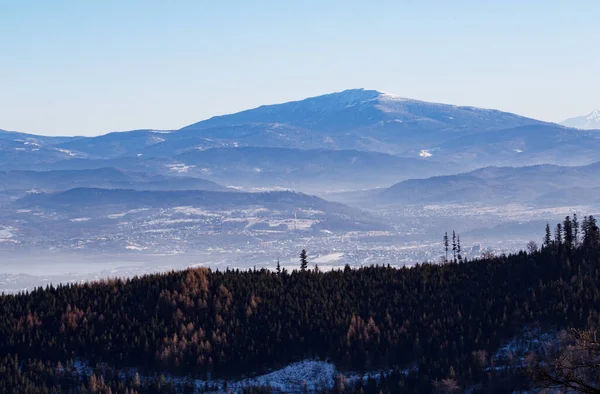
(585,122)
(424,153)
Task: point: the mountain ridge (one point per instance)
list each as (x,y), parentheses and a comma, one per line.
(590,121)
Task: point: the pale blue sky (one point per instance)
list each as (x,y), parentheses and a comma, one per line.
(91,67)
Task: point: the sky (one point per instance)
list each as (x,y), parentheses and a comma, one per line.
(92,67)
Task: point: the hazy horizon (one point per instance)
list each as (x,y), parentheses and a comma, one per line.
(243,109)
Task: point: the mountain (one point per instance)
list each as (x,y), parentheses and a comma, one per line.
(521,146)
(353,119)
(541,185)
(585,122)
(305,169)
(196,215)
(362,119)
(360,108)
(24,153)
(96,196)
(60,180)
(355,139)
(21,137)
(116,144)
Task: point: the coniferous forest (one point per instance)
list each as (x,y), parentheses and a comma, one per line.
(429,327)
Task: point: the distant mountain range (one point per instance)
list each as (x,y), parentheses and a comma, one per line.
(354,139)
(354,119)
(108,178)
(216,210)
(537,186)
(585,122)
(216,185)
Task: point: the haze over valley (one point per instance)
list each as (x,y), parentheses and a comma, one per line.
(356,177)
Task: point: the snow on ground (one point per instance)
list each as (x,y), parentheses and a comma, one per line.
(6,233)
(132,246)
(156,140)
(68,152)
(310,211)
(310,374)
(328,258)
(299,377)
(179,167)
(255,211)
(528,341)
(116,215)
(188,210)
(80,219)
(169,222)
(121,214)
(425,153)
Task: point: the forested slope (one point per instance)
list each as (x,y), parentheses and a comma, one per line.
(424,323)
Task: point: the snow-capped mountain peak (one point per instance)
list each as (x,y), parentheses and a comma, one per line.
(585,122)
(594,116)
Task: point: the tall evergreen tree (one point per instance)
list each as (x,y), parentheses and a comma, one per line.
(568,233)
(458,248)
(575,224)
(446,244)
(547,237)
(593,233)
(558,236)
(584,230)
(278,268)
(303,260)
(454,245)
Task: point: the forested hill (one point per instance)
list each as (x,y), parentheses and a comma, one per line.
(422,323)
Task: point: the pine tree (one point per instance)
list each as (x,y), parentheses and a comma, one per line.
(592,236)
(458,248)
(303,260)
(584,230)
(558,236)
(454,245)
(278,268)
(548,237)
(446,247)
(568,232)
(575,224)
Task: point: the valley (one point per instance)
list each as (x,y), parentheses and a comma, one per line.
(357,177)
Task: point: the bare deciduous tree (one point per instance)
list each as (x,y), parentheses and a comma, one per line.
(575,367)
(446,386)
(488,254)
(532,247)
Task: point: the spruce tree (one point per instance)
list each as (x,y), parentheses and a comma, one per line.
(548,237)
(568,232)
(446,247)
(593,233)
(454,245)
(585,225)
(558,236)
(575,224)
(303,260)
